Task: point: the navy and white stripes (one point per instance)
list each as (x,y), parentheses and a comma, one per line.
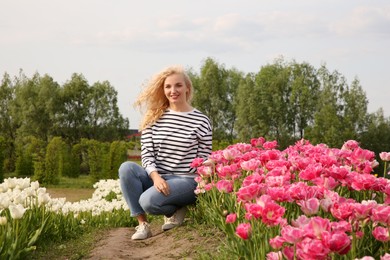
(174,140)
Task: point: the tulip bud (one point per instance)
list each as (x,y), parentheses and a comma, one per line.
(17,211)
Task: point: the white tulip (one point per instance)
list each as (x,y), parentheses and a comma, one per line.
(3,221)
(34,185)
(43,198)
(17,211)
(5,200)
(3,187)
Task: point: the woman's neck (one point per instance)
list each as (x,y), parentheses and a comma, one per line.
(181,108)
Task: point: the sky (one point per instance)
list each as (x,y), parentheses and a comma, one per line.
(126,42)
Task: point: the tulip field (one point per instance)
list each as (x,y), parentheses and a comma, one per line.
(304,202)
(29,216)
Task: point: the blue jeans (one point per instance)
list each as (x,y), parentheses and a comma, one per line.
(142,197)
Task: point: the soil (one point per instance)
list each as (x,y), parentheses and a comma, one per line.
(178,243)
(183,242)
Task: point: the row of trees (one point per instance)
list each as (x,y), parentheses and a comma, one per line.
(283,101)
(48,162)
(288,101)
(38,107)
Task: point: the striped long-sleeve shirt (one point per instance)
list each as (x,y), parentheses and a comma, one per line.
(174,140)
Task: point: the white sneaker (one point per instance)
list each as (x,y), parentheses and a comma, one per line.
(142,232)
(176,219)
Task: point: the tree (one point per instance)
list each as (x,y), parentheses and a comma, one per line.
(211,96)
(7,122)
(247,110)
(274,90)
(73,117)
(54,161)
(233,79)
(328,118)
(305,89)
(104,119)
(36,105)
(355,111)
(2,146)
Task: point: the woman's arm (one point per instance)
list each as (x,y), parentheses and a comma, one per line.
(147,151)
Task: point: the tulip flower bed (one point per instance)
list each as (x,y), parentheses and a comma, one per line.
(29,216)
(305,202)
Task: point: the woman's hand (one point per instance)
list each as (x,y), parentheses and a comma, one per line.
(159,183)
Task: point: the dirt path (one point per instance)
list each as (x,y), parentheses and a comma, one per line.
(180,243)
(183,242)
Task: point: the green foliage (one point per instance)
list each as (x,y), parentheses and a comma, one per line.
(97,159)
(284,100)
(38,155)
(7,122)
(54,160)
(117,155)
(111,196)
(2,146)
(30,152)
(214,95)
(24,161)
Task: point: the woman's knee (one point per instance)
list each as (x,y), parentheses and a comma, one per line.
(126,169)
(149,204)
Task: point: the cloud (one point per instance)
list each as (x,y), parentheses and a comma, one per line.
(221,34)
(364,20)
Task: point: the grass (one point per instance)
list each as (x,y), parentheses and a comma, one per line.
(72,249)
(207,240)
(82,182)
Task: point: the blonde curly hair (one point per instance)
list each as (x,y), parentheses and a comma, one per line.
(153,99)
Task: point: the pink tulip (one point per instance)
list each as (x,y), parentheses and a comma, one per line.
(272,214)
(277,242)
(250,165)
(231,154)
(342,226)
(288,252)
(231,218)
(310,206)
(225,186)
(196,162)
(279,194)
(301,221)
(275,256)
(292,234)
(311,172)
(227,171)
(254,210)
(341,211)
(340,243)
(205,171)
(385,156)
(255,178)
(312,249)
(363,210)
(257,142)
(244,230)
(350,145)
(317,226)
(381,214)
(381,234)
(270,145)
(248,193)
(208,186)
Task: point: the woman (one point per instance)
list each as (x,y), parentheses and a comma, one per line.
(173,134)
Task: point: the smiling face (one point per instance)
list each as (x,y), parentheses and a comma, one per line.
(176,91)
